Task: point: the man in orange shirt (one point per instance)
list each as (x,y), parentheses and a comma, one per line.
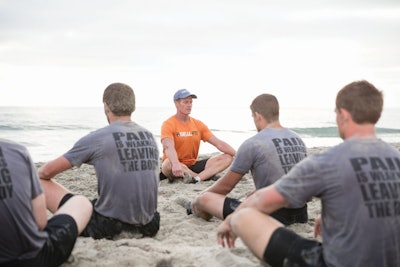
(180,138)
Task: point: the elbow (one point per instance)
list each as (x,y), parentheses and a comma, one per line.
(44,173)
(42,224)
(228,159)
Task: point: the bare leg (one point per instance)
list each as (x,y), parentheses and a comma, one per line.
(215,165)
(79,208)
(167,171)
(53,192)
(207,205)
(254,228)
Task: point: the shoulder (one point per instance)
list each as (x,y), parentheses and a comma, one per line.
(195,120)
(253,141)
(170,121)
(171,118)
(289,133)
(99,131)
(95,136)
(198,122)
(10,145)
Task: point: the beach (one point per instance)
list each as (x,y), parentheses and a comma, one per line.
(183,240)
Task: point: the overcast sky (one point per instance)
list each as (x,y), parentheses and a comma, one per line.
(65,52)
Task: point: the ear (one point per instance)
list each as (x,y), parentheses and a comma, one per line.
(257,116)
(106,108)
(345,114)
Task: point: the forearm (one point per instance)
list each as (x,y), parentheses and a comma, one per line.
(226,183)
(43,173)
(54,167)
(170,151)
(227,149)
(265,200)
(172,155)
(218,188)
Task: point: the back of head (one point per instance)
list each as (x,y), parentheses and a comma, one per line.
(362,100)
(267,106)
(120,99)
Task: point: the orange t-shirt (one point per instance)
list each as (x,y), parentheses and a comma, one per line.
(187,137)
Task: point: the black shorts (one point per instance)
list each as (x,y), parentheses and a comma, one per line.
(288,249)
(285,216)
(100,226)
(63,232)
(290,216)
(199,166)
(230,205)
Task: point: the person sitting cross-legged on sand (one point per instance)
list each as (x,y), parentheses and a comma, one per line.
(269,154)
(356,182)
(180,137)
(125,157)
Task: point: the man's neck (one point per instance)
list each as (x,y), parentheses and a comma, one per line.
(120,119)
(182,117)
(273,125)
(362,131)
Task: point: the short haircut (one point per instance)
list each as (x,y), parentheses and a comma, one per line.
(267,106)
(362,100)
(120,99)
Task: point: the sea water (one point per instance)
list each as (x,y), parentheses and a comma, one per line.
(48,132)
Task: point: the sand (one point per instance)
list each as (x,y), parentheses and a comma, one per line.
(183,240)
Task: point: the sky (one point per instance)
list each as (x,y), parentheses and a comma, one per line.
(66,52)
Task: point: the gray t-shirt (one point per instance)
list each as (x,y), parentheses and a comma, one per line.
(358,183)
(20,237)
(268,155)
(126,159)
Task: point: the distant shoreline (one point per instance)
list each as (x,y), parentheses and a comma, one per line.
(310,151)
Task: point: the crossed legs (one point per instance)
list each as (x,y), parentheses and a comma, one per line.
(213,166)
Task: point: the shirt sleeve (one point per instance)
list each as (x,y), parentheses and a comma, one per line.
(304,181)
(204,130)
(167,130)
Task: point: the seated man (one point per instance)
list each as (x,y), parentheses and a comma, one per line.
(126,159)
(180,137)
(269,154)
(27,238)
(357,183)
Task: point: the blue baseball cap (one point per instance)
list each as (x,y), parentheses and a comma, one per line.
(183,93)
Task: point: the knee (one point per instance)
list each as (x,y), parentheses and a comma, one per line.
(200,206)
(228,158)
(225,159)
(166,166)
(201,200)
(85,203)
(239,218)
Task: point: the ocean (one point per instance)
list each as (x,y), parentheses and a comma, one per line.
(48,132)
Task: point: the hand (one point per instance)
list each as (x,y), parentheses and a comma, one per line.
(225,235)
(177,170)
(317,227)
